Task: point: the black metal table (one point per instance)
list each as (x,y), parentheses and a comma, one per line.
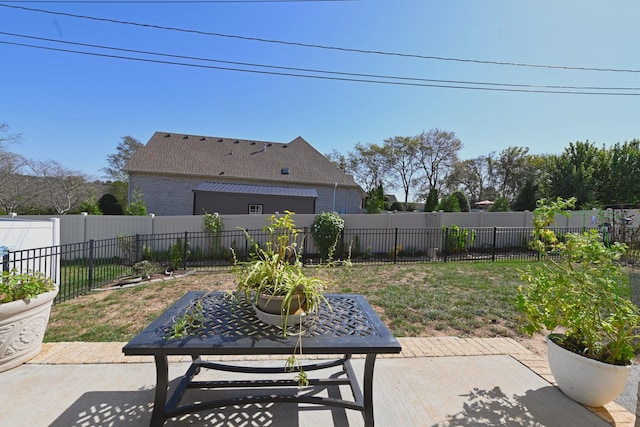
(232,328)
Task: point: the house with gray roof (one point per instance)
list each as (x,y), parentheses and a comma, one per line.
(189,175)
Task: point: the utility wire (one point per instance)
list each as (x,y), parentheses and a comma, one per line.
(325,47)
(155,61)
(168,1)
(309,70)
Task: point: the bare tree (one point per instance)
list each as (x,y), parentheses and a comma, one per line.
(65,188)
(401,152)
(437,153)
(473,177)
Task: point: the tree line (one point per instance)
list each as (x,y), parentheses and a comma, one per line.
(428,166)
(30,187)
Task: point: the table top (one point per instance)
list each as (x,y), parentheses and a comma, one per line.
(231,327)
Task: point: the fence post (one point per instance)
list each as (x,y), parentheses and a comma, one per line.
(305,234)
(495,236)
(185,250)
(395,246)
(136,252)
(446,243)
(90,266)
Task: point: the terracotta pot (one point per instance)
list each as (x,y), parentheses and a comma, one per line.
(22,327)
(587,381)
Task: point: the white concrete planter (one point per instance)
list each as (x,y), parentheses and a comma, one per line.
(585,380)
(22,327)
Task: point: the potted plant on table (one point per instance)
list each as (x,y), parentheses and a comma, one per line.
(25,305)
(273,278)
(578,296)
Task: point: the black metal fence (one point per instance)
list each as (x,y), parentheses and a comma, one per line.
(80,267)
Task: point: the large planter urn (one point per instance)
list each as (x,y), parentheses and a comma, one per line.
(587,381)
(22,327)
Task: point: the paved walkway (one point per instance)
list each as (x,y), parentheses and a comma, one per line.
(436,360)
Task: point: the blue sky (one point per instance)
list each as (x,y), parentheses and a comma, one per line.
(74,108)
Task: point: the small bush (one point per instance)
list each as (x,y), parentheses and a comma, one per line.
(326,230)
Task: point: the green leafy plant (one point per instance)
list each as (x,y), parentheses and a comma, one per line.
(177,254)
(326,229)
(458,239)
(212,226)
(276,270)
(137,206)
(16,286)
(578,291)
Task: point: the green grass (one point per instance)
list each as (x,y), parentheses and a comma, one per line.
(455,299)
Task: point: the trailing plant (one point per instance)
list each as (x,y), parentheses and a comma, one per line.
(276,269)
(578,291)
(326,230)
(16,286)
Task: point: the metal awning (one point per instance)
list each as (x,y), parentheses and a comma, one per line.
(265,190)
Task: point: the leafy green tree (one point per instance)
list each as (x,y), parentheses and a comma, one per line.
(500,205)
(571,174)
(510,170)
(109,205)
(432,201)
(527,197)
(90,204)
(463,202)
(397,206)
(137,206)
(375,200)
(449,204)
(368,164)
(616,174)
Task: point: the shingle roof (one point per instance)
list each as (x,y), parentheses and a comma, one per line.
(230,158)
(270,190)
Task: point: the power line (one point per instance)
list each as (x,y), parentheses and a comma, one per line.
(168,1)
(317,71)
(325,47)
(445,86)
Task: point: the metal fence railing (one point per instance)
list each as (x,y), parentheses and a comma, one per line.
(97,263)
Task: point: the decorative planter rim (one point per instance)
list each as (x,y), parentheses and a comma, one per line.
(585,359)
(8,309)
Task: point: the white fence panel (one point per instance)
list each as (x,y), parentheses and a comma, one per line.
(81,228)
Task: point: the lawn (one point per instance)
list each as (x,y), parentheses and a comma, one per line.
(431,299)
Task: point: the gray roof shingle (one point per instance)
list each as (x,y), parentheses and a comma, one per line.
(222,159)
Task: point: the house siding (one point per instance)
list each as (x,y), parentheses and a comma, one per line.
(173,195)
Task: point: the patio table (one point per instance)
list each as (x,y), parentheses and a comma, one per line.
(349,326)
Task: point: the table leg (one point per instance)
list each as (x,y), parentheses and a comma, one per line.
(162,383)
(368,390)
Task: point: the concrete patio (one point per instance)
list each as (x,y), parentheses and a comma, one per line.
(434,382)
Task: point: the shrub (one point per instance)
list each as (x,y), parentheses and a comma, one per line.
(326,230)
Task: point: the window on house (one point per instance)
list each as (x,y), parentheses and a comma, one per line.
(255,209)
